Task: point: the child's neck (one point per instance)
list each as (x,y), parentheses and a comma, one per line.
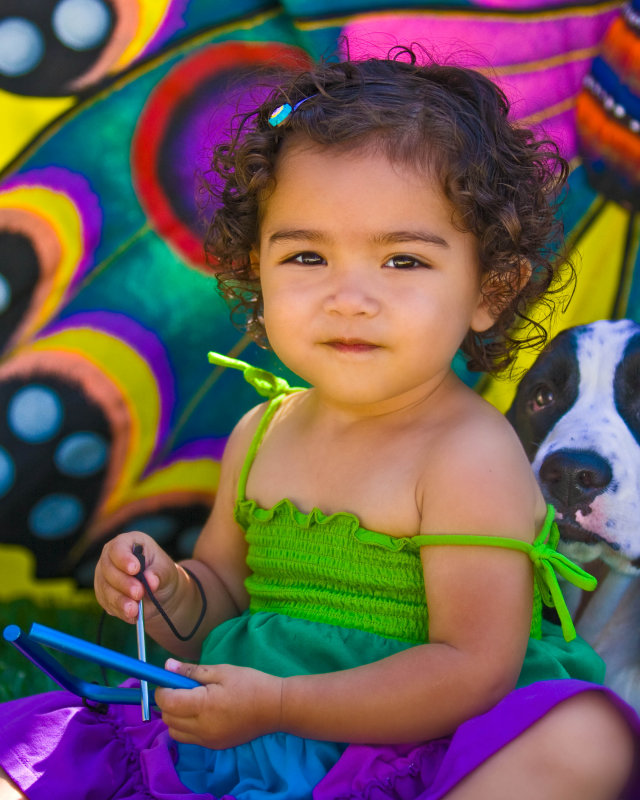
(400,409)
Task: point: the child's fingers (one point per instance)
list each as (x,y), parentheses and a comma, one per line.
(184,729)
(178,735)
(119,551)
(153,579)
(118,601)
(116,588)
(180,704)
(202,673)
(159,567)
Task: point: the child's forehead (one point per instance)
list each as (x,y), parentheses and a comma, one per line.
(336,194)
(302,157)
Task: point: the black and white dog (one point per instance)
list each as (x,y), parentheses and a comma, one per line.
(577,413)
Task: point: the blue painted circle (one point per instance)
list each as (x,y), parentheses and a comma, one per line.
(81,454)
(7,472)
(35,413)
(5,294)
(160,526)
(21,46)
(84,574)
(81,24)
(187,540)
(56,516)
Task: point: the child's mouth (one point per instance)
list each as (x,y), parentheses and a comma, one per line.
(352,345)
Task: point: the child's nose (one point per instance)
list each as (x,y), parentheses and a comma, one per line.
(351,295)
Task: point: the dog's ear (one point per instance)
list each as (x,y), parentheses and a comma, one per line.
(500,287)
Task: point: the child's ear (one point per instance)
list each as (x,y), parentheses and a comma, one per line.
(497,291)
(483,317)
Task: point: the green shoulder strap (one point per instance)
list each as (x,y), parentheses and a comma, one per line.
(546,562)
(267,385)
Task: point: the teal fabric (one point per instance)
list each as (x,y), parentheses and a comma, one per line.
(284,646)
(553,657)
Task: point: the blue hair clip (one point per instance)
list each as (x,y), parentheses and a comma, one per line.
(282,113)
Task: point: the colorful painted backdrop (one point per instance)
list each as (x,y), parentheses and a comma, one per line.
(110,416)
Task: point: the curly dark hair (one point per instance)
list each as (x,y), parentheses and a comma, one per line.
(451,121)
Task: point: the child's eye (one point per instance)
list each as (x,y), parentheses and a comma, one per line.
(404,262)
(308,258)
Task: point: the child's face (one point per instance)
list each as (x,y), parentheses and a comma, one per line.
(368,286)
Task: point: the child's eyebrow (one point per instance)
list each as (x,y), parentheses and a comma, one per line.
(396,237)
(392,237)
(294,235)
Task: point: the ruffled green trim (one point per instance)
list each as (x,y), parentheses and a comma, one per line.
(248,509)
(313,566)
(542,552)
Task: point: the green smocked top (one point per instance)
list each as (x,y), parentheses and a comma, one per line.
(328,568)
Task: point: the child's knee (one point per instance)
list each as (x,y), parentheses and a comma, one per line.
(592,737)
(8,789)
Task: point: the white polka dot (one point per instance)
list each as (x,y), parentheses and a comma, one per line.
(81,24)
(35,414)
(21,46)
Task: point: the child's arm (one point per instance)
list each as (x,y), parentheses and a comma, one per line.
(479,602)
(219,562)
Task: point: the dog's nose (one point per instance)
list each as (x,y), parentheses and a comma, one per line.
(575,476)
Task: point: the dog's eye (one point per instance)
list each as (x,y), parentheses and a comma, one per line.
(543,396)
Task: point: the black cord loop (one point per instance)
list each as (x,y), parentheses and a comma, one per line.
(137,550)
(163,613)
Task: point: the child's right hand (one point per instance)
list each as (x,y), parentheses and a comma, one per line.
(116,588)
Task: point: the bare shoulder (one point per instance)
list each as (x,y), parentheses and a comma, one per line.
(479,479)
(233,459)
(241,437)
(221,543)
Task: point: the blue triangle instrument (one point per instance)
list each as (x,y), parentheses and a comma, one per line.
(32,645)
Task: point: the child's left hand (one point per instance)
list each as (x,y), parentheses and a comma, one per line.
(233,706)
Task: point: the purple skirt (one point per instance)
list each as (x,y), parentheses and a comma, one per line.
(52,746)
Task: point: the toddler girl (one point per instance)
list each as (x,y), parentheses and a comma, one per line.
(374,565)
